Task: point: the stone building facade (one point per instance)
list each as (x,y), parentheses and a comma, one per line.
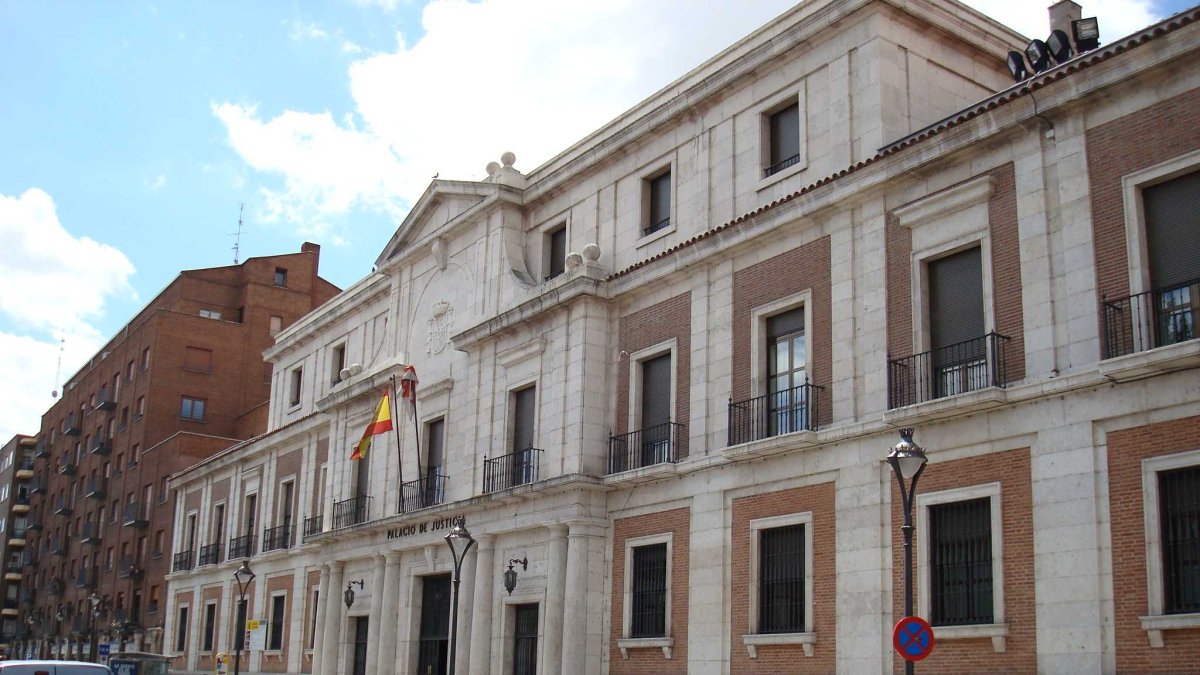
(660,373)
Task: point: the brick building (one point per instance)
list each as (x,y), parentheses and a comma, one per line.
(16,470)
(182,380)
(660,374)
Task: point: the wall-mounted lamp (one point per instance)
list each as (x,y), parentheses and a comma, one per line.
(348,596)
(510,575)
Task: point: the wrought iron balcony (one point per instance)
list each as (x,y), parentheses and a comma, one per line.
(29,558)
(57,586)
(37,486)
(73,426)
(26,465)
(241,547)
(210,554)
(968,366)
(128,568)
(63,506)
(182,561)
(515,468)
(351,511)
(775,414)
(101,446)
(136,515)
(59,545)
(105,402)
(17,535)
(20,499)
(42,449)
(313,526)
(67,469)
(275,538)
(97,488)
(32,525)
(429,490)
(91,532)
(645,447)
(1156,318)
(780,166)
(85,578)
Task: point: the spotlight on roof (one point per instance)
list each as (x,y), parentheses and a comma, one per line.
(1087,34)
(1016,66)
(1059,46)
(1039,55)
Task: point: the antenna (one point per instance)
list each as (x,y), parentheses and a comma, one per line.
(238,235)
(62,345)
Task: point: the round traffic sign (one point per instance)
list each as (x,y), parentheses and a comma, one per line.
(913,638)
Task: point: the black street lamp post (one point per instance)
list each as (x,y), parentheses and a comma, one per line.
(460,542)
(96,602)
(243,576)
(908,462)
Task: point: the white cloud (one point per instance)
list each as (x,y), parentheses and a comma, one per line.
(349,47)
(154,184)
(307,30)
(386,5)
(54,286)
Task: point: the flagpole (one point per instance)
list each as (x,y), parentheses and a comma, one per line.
(396,427)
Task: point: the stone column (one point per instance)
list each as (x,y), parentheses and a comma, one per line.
(333,615)
(481,608)
(386,658)
(574,623)
(319,624)
(376,614)
(556,579)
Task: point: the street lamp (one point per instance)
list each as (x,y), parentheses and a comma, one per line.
(908,462)
(460,542)
(510,575)
(348,595)
(96,601)
(243,576)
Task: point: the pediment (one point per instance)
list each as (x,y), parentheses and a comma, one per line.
(443,203)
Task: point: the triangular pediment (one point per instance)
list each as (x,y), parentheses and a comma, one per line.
(442,204)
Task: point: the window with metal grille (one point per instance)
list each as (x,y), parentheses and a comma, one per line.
(361,630)
(781,580)
(432,650)
(659,207)
(525,640)
(210,626)
(1179,518)
(181,630)
(960,563)
(275,629)
(648,613)
(785,139)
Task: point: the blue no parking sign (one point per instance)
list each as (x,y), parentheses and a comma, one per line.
(913,638)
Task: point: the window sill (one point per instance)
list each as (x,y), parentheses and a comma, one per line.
(1138,365)
(998,632)
(774,178)
(663,643)
(752,642)
(1156,624)
(648,239)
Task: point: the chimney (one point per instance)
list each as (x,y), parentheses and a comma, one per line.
(315,249)
(1062,13)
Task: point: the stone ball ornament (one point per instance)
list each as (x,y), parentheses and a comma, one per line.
(591,252)
(508,159)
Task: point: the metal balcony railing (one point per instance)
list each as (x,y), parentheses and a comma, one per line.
(105,402)
(422,493)
(181,561)
(57,586)
(275,538)
(101,446)
(136,515)
(645,447)
(91,532)
(210,554)
(313,526)
(72,426)
(775,414)
(1156,318)
(37,486)
(781,165)
(967,366)
(128,568)
(26,464)
(351,511)
(241,547)
(515,468)
(97,488)
(67,469)
(42,449)
(63,506)
(85,578)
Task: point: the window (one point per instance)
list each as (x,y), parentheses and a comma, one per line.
(251,513)
(524,406)
(652,404)
(314,610)
(1171,508)
(658,203)
(648,592)
(784,132)
(1173,249)
(159,542)
(124,419)
(197,359)
(145,358)
(275,628)
(139,408)
(116,386)
(281,277)
(787,374)
(295,386)
(181,626)
(433,645)
(525,636)
(781,580)
(276,325)
(191,409)
(337,361)
(134,454)
(152,608)
(556,251)
(957,323)
(210,626)
(129,372)
(210,314)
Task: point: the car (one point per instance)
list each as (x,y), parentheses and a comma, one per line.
(53,668)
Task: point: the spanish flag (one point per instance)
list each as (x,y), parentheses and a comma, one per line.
(381,422)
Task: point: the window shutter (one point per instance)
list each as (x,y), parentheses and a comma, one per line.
(1173,230)
(956,298)
(785,324)
(523,416)
(656,391)
(785,134)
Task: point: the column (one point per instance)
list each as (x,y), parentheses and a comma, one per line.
(481,609)
(319,625)
(556,578)
(333,614)
(376,614)
(574,623)
(466,604)
(386,659)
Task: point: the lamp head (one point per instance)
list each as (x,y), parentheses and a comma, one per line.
(510,579)
(907,458)
(348,596)
(460,542)
(244,575)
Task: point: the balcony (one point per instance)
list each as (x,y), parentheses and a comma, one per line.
(353,511)
(135,515)
(10,607)
(29,558)
(42,449)
(128,568)
(275,538)
(1153,319)
(241,547)
(63,506)
(85,578)
(101,446)
(778,413)
(37,486)
(32,526)
(97,488)
(59,545)
(182,561)
(91,533)
(105,403)
(515,468)
(968,366)
(20,503)
(422,492)
(210,554)
(57,586)
(313,526)
(646,447)
(25,468)
(67,469)
(12,571)
(72,426)
(16,539)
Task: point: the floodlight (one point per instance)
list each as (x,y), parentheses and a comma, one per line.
(1016,66)
(1060,46)
(1087,34)
(1039,55)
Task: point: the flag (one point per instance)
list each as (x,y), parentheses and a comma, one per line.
(408,391)
(381,422)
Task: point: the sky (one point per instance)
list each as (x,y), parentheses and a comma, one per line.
(135,135)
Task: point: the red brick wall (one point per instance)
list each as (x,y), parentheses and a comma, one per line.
(819,499)
(806,267)
(1011,469)
(651,661)
(1124,145)
(1006,275)
(1126,450)
(639,330)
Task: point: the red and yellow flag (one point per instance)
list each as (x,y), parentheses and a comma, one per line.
(380,423)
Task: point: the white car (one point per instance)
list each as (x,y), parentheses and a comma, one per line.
(52,668)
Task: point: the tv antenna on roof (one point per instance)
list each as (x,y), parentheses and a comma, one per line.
(238,235)
(62,344)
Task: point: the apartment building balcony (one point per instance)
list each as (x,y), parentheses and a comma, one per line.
(63,506)
(86,578)
(1163,321)
(128,568)
(91,533)
(32,525)
(241,547)
(37,485)
(16,538)
(101,446)
(97,488)
(26,595)
(105,402)
(67,469)
(643,448)
(73,426)
(13,571)
(210,554)
(10,607)
(971,365)
(29,558)
(775,414)
(426,491)
(515,468)
(25,468)
(136,515)
(20,503)
(350,512)
(182,561)
(275,538)
(313,526)
(41,450)
(59,545)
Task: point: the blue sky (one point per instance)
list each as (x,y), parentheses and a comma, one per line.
(131,132)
